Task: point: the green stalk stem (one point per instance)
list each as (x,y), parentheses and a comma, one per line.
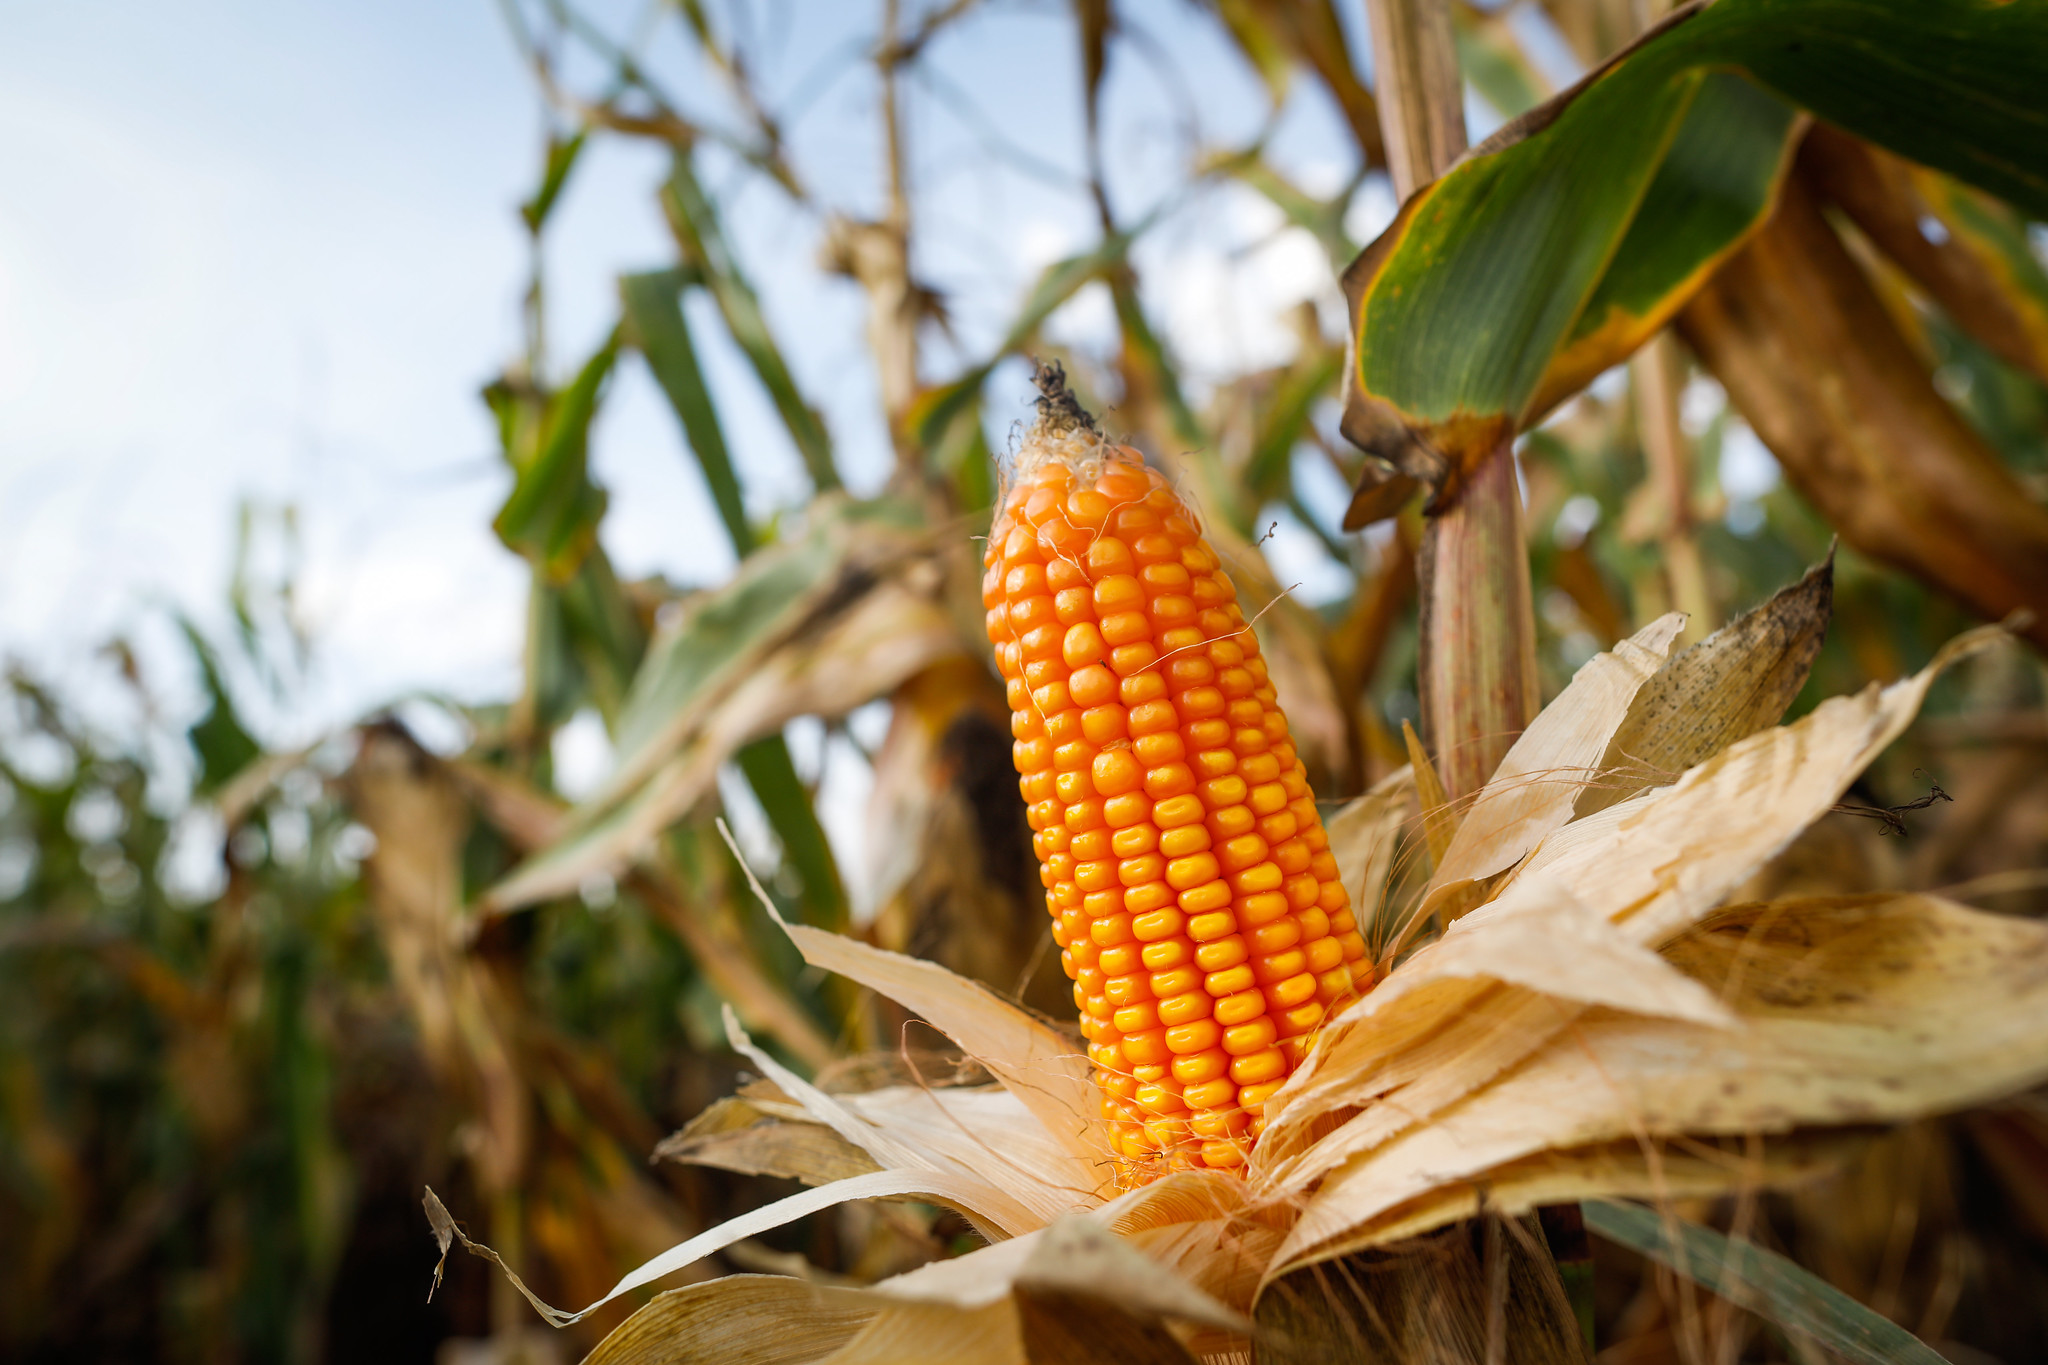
(1476,672)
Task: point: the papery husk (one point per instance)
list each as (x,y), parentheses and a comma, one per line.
(1533,790)
(735,1134)
(1727,687)
(1084,1290)
(1654,865)
(1042,1067)
(1856,1010)
(1362,837)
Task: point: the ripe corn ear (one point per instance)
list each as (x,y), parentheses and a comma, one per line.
(1194,897)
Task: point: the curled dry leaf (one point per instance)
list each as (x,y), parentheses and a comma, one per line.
(1728,686)
(1598,1028)
(736,1135)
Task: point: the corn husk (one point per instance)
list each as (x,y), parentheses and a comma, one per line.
(1597,1023)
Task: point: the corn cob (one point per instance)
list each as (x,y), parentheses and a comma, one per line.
(1193,894)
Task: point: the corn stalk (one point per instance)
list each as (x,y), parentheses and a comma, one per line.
(1476,665)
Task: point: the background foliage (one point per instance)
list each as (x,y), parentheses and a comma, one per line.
(251,1000)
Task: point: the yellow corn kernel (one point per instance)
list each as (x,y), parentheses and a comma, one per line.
(1194,898)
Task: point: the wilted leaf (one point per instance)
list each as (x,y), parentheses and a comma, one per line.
(1808,354)
(1731,684)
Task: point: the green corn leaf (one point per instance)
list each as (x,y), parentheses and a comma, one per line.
(1556,247)
(1763,1282)
(654,316)
(695,223)
(772,774)
(552,513)
(600,626)
(220,741)
(561,159)
(1283,418)
(1494,62)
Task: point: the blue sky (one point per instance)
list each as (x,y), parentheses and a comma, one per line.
(269,251)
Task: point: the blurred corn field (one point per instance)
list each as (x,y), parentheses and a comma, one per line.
(253,1000)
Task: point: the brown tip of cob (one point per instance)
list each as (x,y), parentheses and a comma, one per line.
(1058,409)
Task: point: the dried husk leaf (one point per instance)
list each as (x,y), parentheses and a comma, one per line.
(1439,817)
(936,1334)
(737,1320)
(1003,1167)
(1458,1073)
(1659,862)
(1533,791)
(963,1194)
(735,1135)
(1042,1067)
(1630,1169)
(1438,1300)
(1654,865)
(1858,1010)
(1728,686)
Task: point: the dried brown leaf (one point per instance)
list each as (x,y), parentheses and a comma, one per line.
(737,1320)
(1881,194)
(1792,328)
(1439,818)
(1858,1010)
(1728,686)
(733,1135)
